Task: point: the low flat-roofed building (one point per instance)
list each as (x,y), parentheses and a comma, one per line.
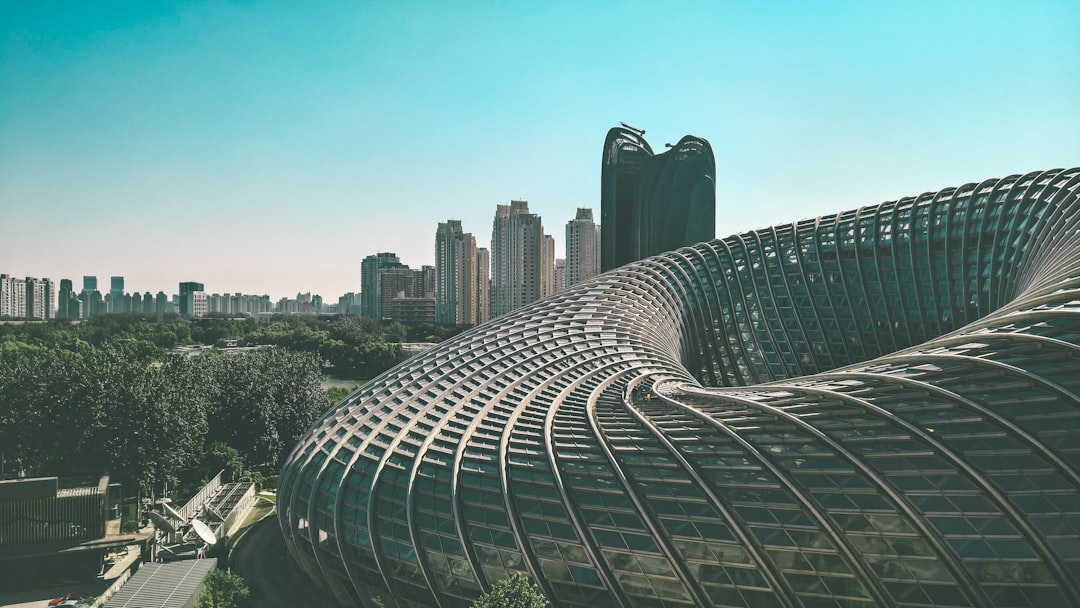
(51,525)
(171,585)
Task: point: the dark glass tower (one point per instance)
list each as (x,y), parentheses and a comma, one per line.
(650,203)
(874,408)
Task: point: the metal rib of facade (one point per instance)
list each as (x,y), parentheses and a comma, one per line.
(876,408)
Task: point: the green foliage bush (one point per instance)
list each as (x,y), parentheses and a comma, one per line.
(514,592)
(223,590)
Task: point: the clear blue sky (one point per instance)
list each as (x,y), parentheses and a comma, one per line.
(267,147)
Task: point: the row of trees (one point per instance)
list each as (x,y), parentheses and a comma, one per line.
(150,416)
(352,347)
(108,393)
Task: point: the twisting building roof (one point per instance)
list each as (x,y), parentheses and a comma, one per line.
(876,408)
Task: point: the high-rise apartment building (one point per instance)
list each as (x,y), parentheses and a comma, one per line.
(371,293)
(116,295)
(27,298)
(582,248)
(517,257)
(12,297)
(90,298)
(468,306)
(349,304)
(192,301)
(547,267)
(161,303)
(67,303)
(650,203)
(500,261)
(560,273)
(483,285)
(239,304)
(457,277)
(39,299)
(5,295)
(449,241)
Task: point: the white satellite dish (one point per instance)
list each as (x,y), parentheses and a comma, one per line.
(173,513)
(161,522)
(203,531)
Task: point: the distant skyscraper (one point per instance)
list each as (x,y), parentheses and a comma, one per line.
(560,274)
(116,291)
(67,303)
(449,240)
(457,277)
(582,248)
(483,285)
(349,304)
(6,293)
(39,299)
(517,256)
(547,267)
(427,280)
(371,293)
(192,301)
(12,297)
(652,204)
(468,310)
(90,298)
(500,261)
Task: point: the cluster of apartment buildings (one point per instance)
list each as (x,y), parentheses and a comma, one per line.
(470,284)
(38,299)
(27,298)
(467,285)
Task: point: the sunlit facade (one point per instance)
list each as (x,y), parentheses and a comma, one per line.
(876,408)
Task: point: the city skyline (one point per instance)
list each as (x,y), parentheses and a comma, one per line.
(261,149)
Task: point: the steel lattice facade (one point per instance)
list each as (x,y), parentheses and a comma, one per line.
(876,408)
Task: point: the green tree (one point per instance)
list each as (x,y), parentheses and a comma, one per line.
(126,408)
(136,412)
(337,394)
(222,457)
(262,401)
(514,592)
(223,590)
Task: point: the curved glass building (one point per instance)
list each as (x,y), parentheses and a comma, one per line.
(875,408)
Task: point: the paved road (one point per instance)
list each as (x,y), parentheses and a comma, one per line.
(275,580)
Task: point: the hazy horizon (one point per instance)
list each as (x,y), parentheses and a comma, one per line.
(267,148)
